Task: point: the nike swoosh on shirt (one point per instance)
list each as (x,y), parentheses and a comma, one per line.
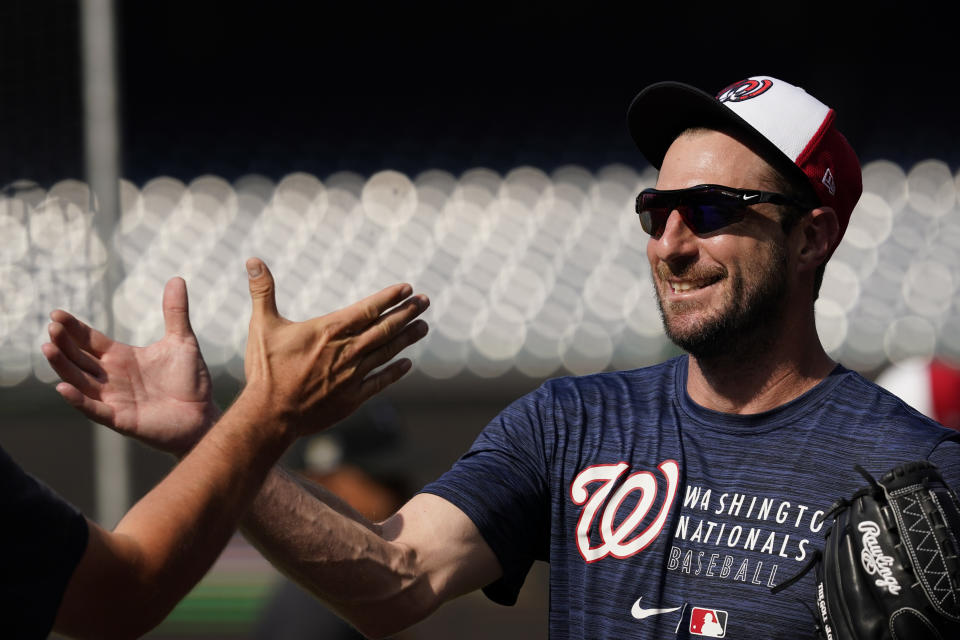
(640,613)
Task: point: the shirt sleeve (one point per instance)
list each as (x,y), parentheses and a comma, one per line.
(946,456)
(501,485)
(42,538)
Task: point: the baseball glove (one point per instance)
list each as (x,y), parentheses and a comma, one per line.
(890,567)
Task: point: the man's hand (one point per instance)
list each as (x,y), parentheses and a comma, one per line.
(160,394)
(312,374)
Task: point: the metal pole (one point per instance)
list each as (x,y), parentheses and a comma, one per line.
(102,144)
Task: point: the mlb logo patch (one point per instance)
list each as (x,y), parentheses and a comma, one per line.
(708,622)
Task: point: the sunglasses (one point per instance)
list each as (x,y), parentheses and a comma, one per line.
(704,208)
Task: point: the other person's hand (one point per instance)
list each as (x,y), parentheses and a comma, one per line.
(160,394)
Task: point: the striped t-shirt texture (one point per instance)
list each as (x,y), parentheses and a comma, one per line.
(663,519)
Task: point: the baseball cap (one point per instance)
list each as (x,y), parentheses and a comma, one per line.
(791,129)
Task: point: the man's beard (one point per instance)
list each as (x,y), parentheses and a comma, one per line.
(736,328)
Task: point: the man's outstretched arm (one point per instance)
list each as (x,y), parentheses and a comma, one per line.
(382,577)
(301,377)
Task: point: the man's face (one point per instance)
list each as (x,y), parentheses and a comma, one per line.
(716,290)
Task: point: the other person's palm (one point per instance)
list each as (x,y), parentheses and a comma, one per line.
(160,394)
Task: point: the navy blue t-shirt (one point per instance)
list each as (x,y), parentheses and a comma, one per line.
(42,538)
(661,518)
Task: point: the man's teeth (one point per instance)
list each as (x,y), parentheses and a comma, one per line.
(685,286)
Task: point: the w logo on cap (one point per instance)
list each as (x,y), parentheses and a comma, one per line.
(744,90)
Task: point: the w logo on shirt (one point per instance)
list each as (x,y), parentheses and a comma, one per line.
(620,540)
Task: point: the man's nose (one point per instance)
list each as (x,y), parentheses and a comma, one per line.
(677,241)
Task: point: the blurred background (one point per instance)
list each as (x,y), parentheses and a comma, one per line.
(476,150)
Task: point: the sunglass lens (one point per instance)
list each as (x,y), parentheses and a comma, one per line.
(704,218)
(654,220)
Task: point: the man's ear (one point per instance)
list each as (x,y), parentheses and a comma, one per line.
(819,233)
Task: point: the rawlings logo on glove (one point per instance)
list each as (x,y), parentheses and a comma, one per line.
(874,560)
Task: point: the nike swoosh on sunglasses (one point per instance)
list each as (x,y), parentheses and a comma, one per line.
(704,208)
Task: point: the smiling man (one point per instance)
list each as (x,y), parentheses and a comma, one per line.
(668,500)
(717,290)
(731,295)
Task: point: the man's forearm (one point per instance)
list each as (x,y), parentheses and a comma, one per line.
(325,545)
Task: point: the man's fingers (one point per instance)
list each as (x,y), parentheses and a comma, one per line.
(387,326)
(176,309)
(75,377)
(86,338)
(262,290)
(384,378)
(360,315)
(412,333)
(68,349)
(94,409)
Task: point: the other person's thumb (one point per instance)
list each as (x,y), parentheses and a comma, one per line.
(176,315)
